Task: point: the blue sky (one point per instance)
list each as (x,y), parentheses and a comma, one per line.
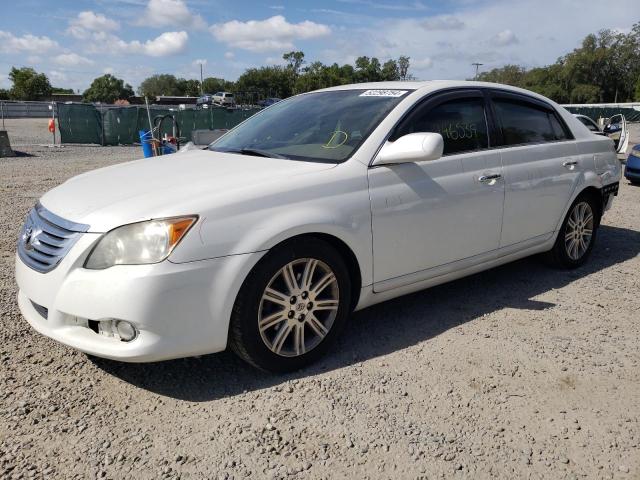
(73,41)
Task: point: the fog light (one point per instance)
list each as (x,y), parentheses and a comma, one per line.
(126,331)
(118,329)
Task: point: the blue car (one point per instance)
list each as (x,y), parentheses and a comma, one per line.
(267,102)
(632,169)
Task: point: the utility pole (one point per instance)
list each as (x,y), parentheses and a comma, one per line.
(201,80)
(477,65)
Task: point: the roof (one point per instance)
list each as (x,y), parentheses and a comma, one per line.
(433,85)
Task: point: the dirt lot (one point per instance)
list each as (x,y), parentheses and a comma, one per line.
(519,372)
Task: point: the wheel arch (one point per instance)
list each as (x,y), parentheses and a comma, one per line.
(344,250)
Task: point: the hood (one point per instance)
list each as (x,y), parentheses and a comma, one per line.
(170,185)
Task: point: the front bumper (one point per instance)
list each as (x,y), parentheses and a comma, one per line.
(179,310)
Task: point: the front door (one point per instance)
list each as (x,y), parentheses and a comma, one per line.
(432,213)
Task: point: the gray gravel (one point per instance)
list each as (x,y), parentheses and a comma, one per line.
(519,372)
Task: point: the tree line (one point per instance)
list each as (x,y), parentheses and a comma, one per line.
(604,68)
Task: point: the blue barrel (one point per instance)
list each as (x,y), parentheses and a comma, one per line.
(145,140)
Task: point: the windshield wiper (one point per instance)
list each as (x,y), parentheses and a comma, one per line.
(256,152)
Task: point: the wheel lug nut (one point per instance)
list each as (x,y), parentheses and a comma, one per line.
(291,314)
(304,295)
(309,306)
(292,300)
(301,317)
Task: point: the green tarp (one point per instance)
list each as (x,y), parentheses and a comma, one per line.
(84,123)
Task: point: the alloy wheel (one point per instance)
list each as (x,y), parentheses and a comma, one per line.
(298,307)
(579,231)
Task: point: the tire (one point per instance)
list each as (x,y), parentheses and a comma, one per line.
(299,321)
(574,243)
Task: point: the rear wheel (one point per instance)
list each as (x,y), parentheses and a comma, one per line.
(291,306)
(577,234)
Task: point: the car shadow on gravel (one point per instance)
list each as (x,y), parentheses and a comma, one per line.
(384,328)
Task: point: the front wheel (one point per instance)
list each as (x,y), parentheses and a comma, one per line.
(577,234)
(291,306)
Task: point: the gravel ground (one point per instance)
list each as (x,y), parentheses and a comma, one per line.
(534,374)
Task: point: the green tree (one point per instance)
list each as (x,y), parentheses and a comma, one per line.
(585,94)
(189,88)
(637,94)
(508,75)
(4,94)
(28,84)
(274,81)
(59,90)
(213,85)
(107,89)
(390,71)
(294,60)
(403,67)
(160,84)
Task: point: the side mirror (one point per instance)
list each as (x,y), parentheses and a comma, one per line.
(414,147)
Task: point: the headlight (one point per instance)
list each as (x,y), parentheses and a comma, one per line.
(139,243)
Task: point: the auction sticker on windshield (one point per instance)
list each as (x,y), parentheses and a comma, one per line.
(383,93)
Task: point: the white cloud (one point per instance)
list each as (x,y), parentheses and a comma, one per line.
(274,33)
(199,61)
(229,55)
(422,64)
(274,61)
(169,43)
(71,60)
(489,35)
(88,21)
(9,43)
(504,38)
(443,22)
(58,76)
(164,13)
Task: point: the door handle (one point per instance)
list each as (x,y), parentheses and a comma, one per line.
(570,164)
(489,178)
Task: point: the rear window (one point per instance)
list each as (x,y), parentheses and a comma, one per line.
(228,94)
(524,123)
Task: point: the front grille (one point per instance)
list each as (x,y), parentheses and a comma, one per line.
(45,239)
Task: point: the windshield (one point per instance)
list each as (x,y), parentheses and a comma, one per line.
(321,126)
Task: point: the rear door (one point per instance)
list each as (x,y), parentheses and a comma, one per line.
(431,213)
(541,166)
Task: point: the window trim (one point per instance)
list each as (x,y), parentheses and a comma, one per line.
(530,102)
(495,133)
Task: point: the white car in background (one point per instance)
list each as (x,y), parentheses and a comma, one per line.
(322,204)
(226,99)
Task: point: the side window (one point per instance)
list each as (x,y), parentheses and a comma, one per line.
(524,123)
(559,132)
(461,122)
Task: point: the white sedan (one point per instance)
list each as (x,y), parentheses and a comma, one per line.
(322,204)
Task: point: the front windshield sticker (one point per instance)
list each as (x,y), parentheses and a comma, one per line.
(383,93)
